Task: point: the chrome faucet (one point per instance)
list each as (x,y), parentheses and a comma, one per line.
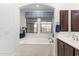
(75,37)
(50,40)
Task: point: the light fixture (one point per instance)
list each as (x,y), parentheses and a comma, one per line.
(37,5)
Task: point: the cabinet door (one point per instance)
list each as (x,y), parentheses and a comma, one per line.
(64,20)
(60,48)
(76,52)
(68,50)
(75,20)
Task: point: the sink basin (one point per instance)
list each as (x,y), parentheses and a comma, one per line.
(69,39)
(69,35)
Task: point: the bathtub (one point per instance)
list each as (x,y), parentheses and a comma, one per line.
(36,46)
(35,41)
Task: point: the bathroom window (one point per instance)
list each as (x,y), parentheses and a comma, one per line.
(39,25)
(32,27)
(45,27)
(35,27)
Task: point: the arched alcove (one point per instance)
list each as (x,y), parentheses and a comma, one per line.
(33,13)
(38,21)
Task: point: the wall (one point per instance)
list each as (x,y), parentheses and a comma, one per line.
(22,19)
(9,29)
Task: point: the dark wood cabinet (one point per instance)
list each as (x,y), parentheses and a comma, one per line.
(64,20)
(76,52)
(68,50)
(74,20)
(60,48)
(64,49)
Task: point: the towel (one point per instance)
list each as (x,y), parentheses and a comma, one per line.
(57,28)
(22,35)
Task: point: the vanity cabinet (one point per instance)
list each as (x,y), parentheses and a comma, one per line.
(64,20)
(68,50)
(64,49)
(74,20)
(76,52)
(60,48)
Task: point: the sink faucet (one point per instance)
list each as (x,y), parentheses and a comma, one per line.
(75,37)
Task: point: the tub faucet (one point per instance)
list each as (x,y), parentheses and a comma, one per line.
(50,40)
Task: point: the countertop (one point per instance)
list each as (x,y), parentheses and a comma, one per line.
(67,38)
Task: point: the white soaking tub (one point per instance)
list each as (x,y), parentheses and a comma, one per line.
(36,45)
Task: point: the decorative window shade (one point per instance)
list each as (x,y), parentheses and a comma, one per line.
(45,19)
(38,14)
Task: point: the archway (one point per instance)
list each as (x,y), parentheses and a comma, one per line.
(37,24)
(36,11)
